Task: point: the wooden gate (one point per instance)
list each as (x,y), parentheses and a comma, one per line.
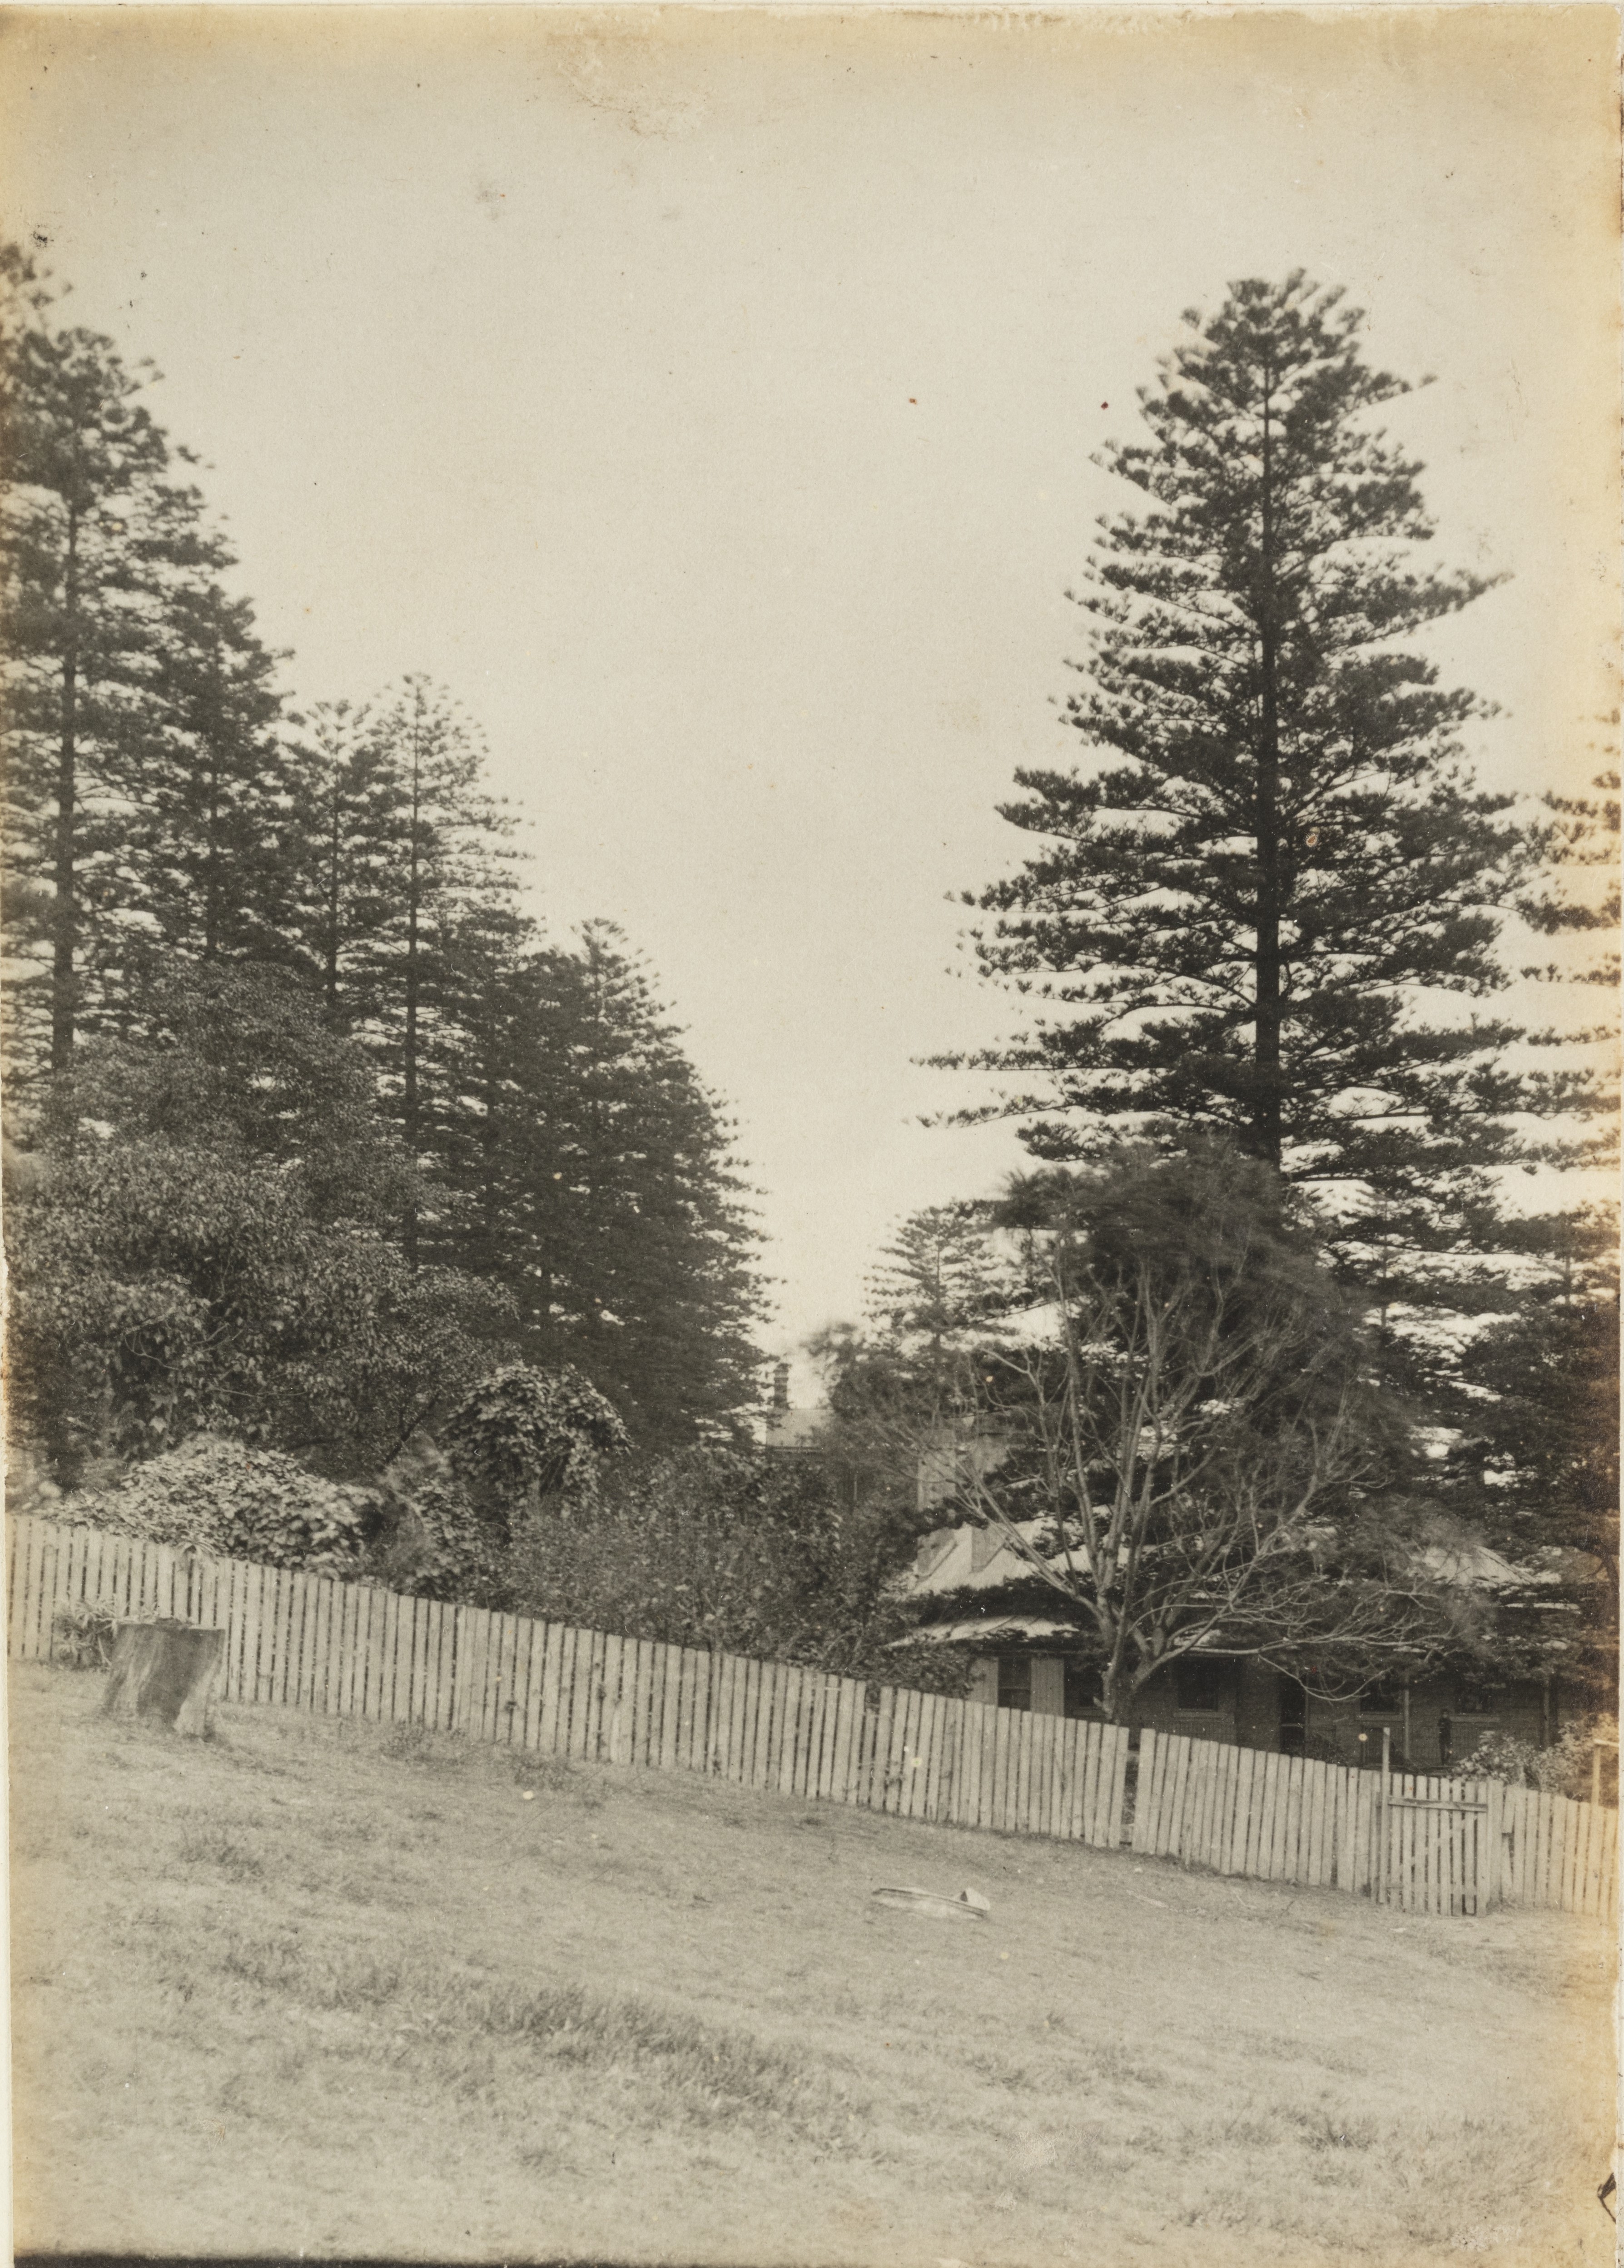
(1432,1845)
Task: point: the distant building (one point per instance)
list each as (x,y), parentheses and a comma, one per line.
(1027,1658)
(784,1428)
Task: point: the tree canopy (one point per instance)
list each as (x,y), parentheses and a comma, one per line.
(1174,1425)
(301,1096)
(603,1194)
(206,1245)
(1266,901)
(1270,903)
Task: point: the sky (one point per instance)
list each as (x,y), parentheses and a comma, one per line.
(710,400)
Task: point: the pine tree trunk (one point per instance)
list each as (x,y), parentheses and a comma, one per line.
(66,909)
(1266,1131)
(409,1051)
(164,1672)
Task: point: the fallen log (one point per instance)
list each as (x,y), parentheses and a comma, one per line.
(935,1905)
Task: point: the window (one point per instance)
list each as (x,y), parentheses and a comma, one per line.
(1478,1698)
(1203,1685)
(1382,1700)
(1015,1680)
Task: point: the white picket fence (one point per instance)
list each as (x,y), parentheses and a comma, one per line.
(351,1649)
(1430,1845)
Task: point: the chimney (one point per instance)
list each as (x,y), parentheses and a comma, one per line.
(780,1386)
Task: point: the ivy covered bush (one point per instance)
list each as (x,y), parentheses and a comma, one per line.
(431,1538)
(236,1502)
(533,1435)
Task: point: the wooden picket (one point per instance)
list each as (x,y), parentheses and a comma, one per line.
(1426,1845)
(1423,1844)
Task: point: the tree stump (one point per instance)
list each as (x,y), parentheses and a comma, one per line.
(163,1671)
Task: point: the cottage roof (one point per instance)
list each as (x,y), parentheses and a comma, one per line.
(988,1629)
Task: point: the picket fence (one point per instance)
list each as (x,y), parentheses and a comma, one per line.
(1431,1845)
(351,1649)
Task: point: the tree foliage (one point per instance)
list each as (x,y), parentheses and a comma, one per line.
(1263,907)
(939,1277)
(604,1193)
(206,1180)
(437,858)
(1531,1457)
(1181,1440)
(234,1057)
(1268,903)
(209,850)
(202,1250)
(728,1548)
(138,700)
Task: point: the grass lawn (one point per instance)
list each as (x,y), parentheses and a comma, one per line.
(321,1987)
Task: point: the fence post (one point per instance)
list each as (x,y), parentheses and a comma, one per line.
(1492,1861)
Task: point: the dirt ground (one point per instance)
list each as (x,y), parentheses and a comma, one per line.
(315,1986)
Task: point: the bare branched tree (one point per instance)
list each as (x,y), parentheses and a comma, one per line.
(1195,1458)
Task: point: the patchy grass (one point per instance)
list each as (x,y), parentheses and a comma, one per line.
(340,1989)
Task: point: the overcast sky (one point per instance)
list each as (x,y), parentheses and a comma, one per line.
(709,403)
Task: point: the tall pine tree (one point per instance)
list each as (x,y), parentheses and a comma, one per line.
(428,852)
(604,1193)
(209,846)
(1262,905)
(348,844)
(96,540)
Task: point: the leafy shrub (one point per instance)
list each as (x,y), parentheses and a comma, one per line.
(524,1433)
(223,1497)
(85,1635)
(430,1537)
(1563,1768)
(724,1548)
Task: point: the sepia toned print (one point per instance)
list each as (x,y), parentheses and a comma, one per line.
(809,1185)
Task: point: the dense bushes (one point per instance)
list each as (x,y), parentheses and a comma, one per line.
(1563,1768)
(226,1498)
(741,1550)
(437,1521)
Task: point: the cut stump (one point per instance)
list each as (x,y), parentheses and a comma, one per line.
(165,1672)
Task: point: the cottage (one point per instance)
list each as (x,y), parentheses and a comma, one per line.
(1023,1660)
